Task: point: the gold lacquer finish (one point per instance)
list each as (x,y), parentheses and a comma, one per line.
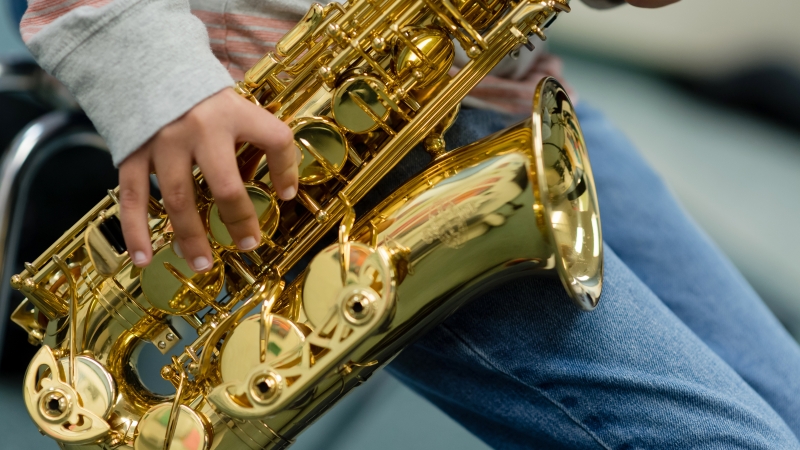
(424,53)
(167,283)
(323,147)
(191,431)
(481,13)
(266,209)
(249,358)
(357,105)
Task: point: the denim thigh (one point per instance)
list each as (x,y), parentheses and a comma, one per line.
(522,367)
(656,239)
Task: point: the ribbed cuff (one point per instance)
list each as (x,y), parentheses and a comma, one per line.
(133,65)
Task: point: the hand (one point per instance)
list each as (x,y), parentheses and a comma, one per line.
(206,136)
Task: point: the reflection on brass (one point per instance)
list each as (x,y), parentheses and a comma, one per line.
(191,431)
(104,256)
(241,351)
(266,210)
(323,281)
(424,54)
(174,414)
(572,203)
(357,106)
(324,149)
(26,317)
(301,31)
(167,293)
(73,318)
(71,414)
(480,13)
(360,84)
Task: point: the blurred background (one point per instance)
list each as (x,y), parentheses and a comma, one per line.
(709,91)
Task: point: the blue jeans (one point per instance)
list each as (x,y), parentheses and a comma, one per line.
(681,353)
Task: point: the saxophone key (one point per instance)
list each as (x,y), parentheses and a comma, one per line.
(324,149)
(192,431)
(267,211)
(357,107)
(72,412)
(175,289)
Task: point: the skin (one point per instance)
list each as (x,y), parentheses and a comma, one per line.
(206,136)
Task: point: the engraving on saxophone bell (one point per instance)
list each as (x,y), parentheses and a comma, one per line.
(448,224)
(264,350)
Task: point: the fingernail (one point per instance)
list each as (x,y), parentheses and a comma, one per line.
(139,258)
(248,243)
(288,193)
(201,263)
(177,249)
(299,155)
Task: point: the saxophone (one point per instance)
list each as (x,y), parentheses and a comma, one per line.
(271,340)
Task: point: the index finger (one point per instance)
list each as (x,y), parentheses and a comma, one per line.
(276,139)
(218,163)
(134,195)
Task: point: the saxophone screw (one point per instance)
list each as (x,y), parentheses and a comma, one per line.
(167,372)
(327,75)
(321,216)
(55,405)
(35,337)
(334,31)
(117,438)
(358,309)
(266,388)
(379,44)
(435,146)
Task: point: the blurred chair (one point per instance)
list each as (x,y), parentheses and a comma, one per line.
(59,131)
(39,120)
(17,9)
(770,91)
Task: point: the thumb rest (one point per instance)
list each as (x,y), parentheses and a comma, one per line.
(360,84)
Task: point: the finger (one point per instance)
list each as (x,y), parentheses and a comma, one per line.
(217,160)
(174,171)
(134,195)
(265,131)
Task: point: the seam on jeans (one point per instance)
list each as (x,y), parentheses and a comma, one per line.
(557,404)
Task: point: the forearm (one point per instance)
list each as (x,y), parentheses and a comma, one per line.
(134,66)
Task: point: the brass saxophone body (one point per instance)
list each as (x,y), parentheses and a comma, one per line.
(263,354)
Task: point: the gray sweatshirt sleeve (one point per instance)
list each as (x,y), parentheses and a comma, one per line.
(133,65)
